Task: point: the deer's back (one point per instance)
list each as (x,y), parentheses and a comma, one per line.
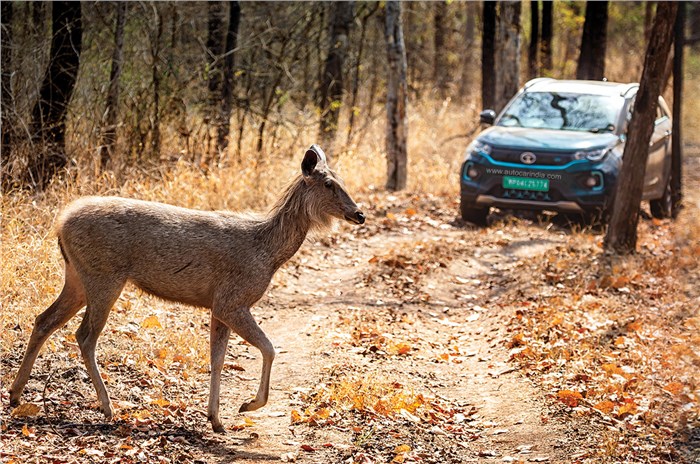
(175,253)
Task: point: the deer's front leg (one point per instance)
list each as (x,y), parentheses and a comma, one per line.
(242,322)
(218,340)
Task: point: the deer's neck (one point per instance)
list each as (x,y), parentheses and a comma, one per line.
(284,231)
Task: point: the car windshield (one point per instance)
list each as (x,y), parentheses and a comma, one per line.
(563,111)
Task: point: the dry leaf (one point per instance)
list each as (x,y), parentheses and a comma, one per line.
(675,388)
(569,398)
(605,406)
(150,322)
(25,410)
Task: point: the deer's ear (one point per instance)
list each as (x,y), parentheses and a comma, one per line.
(309,164)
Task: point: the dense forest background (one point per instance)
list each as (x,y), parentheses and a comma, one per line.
(213,83)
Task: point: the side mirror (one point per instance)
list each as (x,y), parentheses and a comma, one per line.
(487,117)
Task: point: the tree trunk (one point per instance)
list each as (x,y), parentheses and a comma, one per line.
(507,52)
(488,56)
(332,82)
(440,68)
(396,100)
(109,130)
(228,84)
(468,58)
(622,231)
(156,37)
(676,138)
(648,17)
(532,61)
(49,113)
(591,62)
(6,83)
(215,67)
(546,41)
(356,76)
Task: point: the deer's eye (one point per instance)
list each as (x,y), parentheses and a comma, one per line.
(328,184)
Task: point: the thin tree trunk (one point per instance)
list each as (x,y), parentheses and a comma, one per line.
(215,69)
(356,76)
(507,52)
(49,113)
(155,76)
(440,68)
(676,138)
(6,84)
(397,100)
(546,42)
(332,81)
(622,231)
(591,62)
(109,131)
(468,60)
(228,84)
(488,56)
(532,59)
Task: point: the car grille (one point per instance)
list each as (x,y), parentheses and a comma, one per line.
(543,158)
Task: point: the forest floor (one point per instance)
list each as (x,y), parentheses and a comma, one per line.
(413,338)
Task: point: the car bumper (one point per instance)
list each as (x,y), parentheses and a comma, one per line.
(566,189)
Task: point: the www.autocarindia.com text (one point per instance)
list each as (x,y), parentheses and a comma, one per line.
(519,173)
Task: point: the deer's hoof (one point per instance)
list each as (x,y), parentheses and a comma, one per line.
(108,412)
(218,428)
(14,402)
(249,406)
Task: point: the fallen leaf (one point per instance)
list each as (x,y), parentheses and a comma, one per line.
(569,398)
(151,322)
(308,448)
(402,449)
(675,388)
(25,410)
(605,406)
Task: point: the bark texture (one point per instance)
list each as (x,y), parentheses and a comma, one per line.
(227,87)
(621,236)
(396,100)
(332,79)
(50,111)
(507,52)
(488,54)
(546,40)
(109,129)
(533,68)
(591,62)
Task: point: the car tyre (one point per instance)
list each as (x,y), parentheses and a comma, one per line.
(663,207)
(473,214)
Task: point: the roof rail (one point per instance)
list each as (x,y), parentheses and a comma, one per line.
(536,80)
(627,88)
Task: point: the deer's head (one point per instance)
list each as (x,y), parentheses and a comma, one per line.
(327,188)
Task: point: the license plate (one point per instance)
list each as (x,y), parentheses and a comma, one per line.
(525,183)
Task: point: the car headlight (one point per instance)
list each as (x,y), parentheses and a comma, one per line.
(477,147)
(593,155)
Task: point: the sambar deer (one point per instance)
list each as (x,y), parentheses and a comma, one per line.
(217,260)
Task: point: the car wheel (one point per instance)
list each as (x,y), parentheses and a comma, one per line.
(663,207)
(473,214)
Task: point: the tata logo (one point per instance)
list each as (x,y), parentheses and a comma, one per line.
(528,157)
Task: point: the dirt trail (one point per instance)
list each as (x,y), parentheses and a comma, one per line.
(327,283)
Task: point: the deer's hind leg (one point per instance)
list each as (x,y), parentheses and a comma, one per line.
(71,299)
(101,293)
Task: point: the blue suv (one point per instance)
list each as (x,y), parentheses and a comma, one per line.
(557,145)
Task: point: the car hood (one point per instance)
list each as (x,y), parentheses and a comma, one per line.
(545,139)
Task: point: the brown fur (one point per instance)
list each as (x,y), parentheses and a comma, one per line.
(218,260)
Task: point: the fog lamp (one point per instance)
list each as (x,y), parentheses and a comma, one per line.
(472,172)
